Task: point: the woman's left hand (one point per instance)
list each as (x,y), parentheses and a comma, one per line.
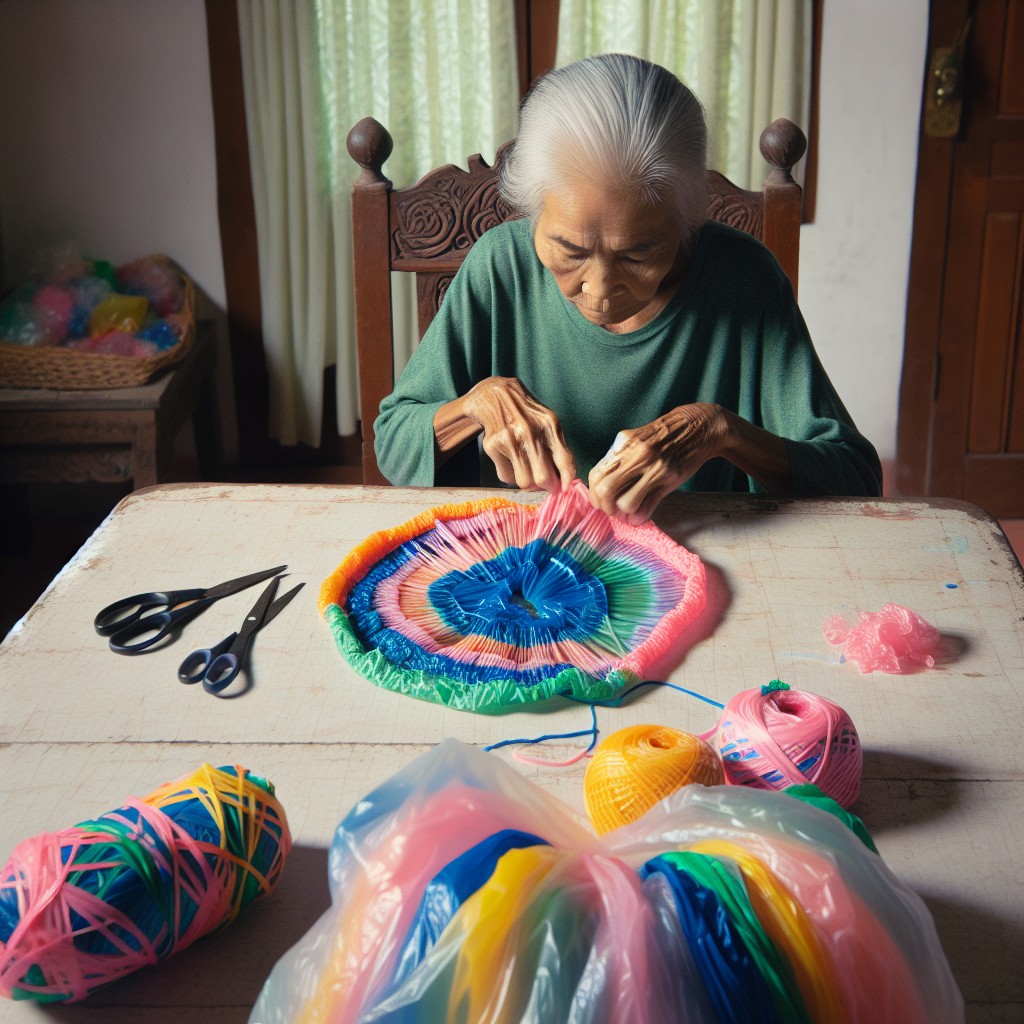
(645,464)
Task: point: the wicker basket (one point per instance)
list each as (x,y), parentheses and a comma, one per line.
(65,369)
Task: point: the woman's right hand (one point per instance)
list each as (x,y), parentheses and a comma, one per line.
(520,436)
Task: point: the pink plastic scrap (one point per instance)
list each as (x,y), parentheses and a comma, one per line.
(891,640)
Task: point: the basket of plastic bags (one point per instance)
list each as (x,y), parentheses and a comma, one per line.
(86,325)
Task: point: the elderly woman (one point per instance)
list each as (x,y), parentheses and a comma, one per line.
(614,333)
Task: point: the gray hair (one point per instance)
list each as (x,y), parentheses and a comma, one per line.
(610,119)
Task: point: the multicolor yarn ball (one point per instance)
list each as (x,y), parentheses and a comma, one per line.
(634,768)
(774,737)
(492,604)
(463,892)
(83,907)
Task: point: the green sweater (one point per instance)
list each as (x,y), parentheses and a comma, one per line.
(731,334)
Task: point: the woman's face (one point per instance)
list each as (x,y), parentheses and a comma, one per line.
(613,256)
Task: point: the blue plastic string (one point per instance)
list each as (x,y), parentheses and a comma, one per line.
(593,732)
(617,701)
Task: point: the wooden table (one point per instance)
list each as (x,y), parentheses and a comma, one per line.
(81,728)
(113,435)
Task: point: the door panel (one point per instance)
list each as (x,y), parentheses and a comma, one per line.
(964,439)
(991,391)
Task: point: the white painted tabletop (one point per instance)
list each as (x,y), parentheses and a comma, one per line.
(82,728)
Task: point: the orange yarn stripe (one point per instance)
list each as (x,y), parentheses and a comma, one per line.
(367,553)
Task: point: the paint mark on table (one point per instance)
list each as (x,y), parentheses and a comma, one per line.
(955,545)
(884,512)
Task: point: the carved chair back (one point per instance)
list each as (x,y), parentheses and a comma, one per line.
(428,228)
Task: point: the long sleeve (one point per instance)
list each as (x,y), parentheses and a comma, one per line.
(440,370)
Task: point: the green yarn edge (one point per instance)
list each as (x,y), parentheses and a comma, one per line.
(491,696)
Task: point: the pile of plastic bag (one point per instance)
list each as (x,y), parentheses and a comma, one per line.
(91,306)
(463,892)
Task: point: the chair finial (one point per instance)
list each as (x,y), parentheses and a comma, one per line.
(370,144)
(782,145)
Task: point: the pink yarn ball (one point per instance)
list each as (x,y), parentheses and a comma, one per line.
(773,737)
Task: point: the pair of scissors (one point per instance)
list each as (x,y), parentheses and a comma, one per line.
(133,626)
(216,667)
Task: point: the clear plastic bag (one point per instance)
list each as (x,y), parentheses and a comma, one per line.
(463,892)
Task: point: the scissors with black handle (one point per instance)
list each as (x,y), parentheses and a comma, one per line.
(133,626)
(216,667)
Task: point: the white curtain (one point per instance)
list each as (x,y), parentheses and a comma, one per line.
(747,61)
(440,75)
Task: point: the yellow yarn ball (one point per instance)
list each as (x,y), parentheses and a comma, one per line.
(636,767)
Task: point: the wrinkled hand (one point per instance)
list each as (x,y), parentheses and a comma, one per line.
(520,436)
(645,464)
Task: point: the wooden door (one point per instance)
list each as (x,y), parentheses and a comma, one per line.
(961,423)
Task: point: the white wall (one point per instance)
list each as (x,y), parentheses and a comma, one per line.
(854,260)
(106,139)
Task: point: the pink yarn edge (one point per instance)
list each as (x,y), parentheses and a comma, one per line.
(695,597)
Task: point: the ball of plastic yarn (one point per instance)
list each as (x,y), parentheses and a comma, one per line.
(634,768)
(157,280)
(55,306)
(85,906)
(773,737)
(891,640)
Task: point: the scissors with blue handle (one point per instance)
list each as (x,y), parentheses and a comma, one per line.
(216,667)
(132,618)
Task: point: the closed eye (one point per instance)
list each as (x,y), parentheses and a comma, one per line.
(638,253)
(570,251)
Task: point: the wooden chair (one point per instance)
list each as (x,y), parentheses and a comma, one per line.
(428,228)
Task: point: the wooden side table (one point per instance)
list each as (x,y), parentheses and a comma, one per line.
(116,435)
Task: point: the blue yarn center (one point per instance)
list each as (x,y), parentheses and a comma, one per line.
(406,654)
(524,596)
